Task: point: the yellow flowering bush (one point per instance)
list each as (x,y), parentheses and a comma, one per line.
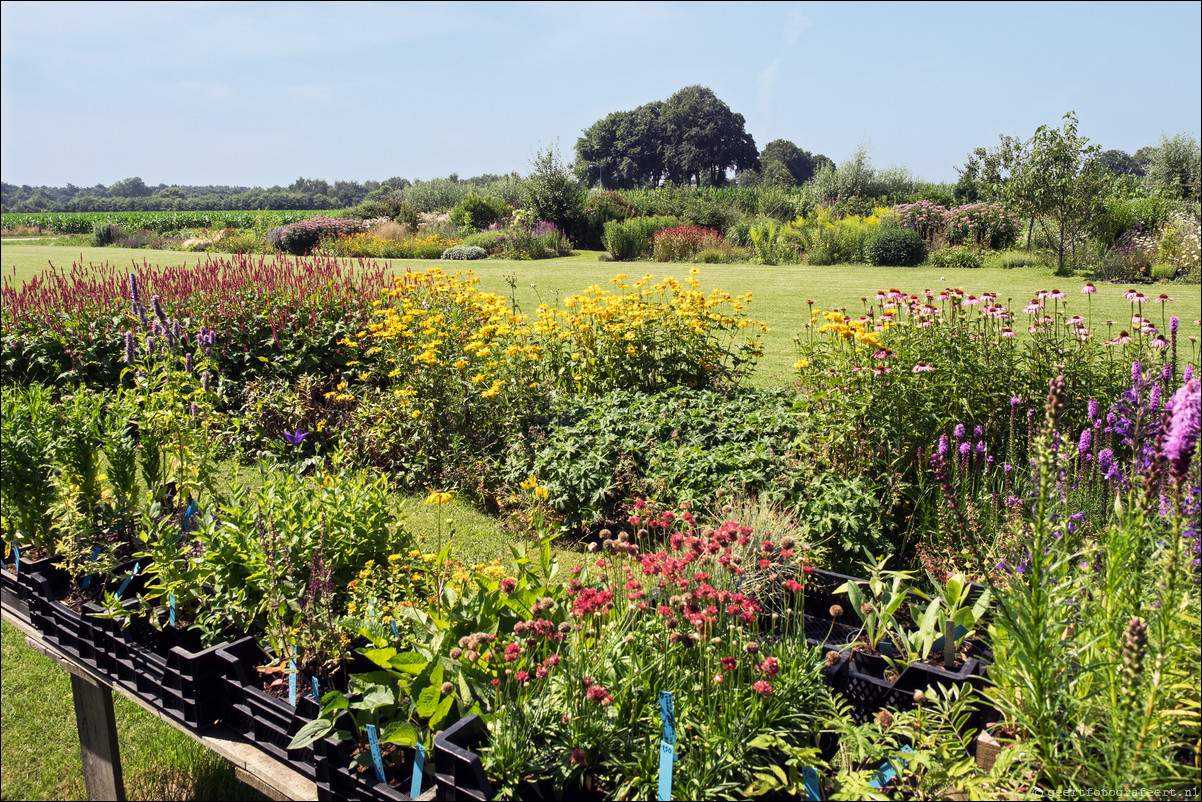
(449,376)
(418,246)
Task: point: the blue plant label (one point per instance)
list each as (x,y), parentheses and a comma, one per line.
(887,773)
(667,757)
(395,634)
(419,768)
(16,558)
(189,514)
(809,781)
(87,580)
(667,714)
(171,608)
(128,579)
(377,759)
(316,690)
(959,632)
(292,683)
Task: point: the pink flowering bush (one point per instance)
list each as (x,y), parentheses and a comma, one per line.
(986,225)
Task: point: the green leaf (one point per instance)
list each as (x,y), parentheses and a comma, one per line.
(411,663)
(312,732)
(400,732)
(381,657)
(444,707)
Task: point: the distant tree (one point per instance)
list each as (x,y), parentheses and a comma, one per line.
(171,193)
(1176,165)
(309,186)
(1120,162)
(622,150)
(782,163)
(552,191)
(986,171)
(702,138)
(130,188)
(1060,180)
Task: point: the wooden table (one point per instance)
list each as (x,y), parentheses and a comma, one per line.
(98,744)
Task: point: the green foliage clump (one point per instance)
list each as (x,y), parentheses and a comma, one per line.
(631,239)
(103,233)
(479,211)
(957,256)
(896,247)
(464,252)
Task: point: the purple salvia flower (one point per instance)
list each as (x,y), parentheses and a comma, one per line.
(150,342)
(1179,444)
(135,297)
(195,409)
(204,380)
(131,347)
(187,363)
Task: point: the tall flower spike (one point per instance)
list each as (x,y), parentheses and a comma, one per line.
(1185,408)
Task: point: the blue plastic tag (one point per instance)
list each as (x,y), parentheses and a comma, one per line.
(419,768)
(809,781)
(128,579)
(395,634)
(316,691)
(87,580)
(376,758)
(960,631)
(667,756)
(667,746)
(667,714)
(189,514)
(16,558)
(171,608)
(292,683)
(887,773)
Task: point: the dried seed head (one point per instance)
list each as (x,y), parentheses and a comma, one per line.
(919,697)
(832,657)
(836,610)
(884,719)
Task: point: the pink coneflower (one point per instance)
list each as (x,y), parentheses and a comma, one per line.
(1034,307)
(1130,295)
(921,367)
(1163,298)
(880,295)
(1088,289)
(1124,338)
(1056,295)
(1159,341)
(895,294)
(1008,332)
(884,353)
(972,300)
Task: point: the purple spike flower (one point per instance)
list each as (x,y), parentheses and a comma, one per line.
(131,347)
(1085,444)
(1179,444)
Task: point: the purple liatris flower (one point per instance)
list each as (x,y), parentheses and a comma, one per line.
(959,431)
(943,445)
(1093,409)
(1136,373)
(1180,442)
(295,438)
(965,449)
(1085,444)
(1154,398)
(1187,374)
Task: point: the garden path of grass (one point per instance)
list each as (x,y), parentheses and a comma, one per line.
(780,292)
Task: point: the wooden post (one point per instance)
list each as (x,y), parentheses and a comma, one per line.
(98,748)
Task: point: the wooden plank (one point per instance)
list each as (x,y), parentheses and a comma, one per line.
(257,784)
(98,749)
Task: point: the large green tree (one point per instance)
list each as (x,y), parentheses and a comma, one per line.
(783,164)
(703,138)
(622,150)
(691,138)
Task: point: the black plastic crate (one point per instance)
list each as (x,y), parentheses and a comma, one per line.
(268,722)
(458,769)
(337,779)
(14,593)
(69,632)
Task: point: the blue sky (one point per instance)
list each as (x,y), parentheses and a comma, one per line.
(258,94)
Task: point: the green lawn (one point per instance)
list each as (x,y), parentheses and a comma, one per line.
(780,292)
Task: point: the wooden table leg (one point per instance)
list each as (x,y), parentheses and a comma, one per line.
(98,748)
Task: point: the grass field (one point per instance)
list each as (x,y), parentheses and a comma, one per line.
(780,292)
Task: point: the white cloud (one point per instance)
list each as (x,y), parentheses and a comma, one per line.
(795,23)
(767,84)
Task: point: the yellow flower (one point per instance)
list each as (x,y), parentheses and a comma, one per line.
(440,497)
(801,364)
(541,492)
(528,484)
